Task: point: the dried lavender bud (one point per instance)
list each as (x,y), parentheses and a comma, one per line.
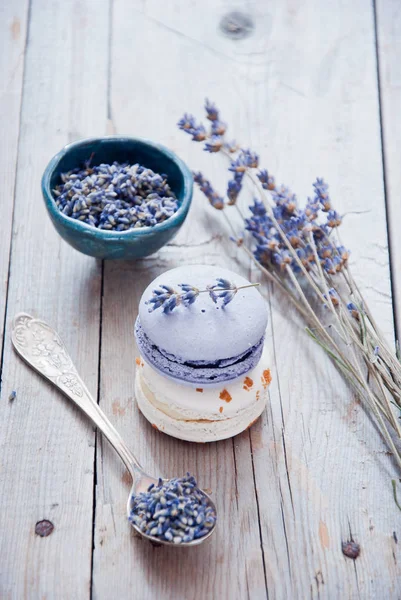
(233,188)
(205,186)
(218,128)
(321,194)
(266,180)
(211,111)
(353,309)
(189,125)
(333,219)
(333,297)
(176,511)
(214,144)
(116,197)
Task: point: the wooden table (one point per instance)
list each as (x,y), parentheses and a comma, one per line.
(316,88)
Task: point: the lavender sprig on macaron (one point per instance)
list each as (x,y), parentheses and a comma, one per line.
(167,298)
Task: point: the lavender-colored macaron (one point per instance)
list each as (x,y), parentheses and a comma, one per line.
(203,343)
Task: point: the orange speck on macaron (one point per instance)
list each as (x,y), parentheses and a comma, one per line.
(221,409)
(155,427)
(257,395)
(266,378)
(138,361)
(199,389)
(224,395)
(248,383)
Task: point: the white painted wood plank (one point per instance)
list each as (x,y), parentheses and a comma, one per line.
(13,21)
(315,108)
(46,446)
(124,565)
(341,471)
(215,569)
(388,23)
(302,89)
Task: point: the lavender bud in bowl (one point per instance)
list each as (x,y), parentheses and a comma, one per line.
(117,197)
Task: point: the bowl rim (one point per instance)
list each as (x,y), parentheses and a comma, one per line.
(175,219)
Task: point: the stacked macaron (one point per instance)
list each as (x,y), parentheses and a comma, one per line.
(203,371)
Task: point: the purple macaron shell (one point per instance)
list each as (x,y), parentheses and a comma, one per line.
(204,330)
(204,343)
(196,372)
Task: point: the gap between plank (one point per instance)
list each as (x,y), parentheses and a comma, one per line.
(268,302)
(97,436)
(396,316)
(99,374)
(29,11)
(258,512)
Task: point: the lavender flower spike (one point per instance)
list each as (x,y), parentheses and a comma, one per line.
(239,165)
(266,180)
(321,194)
(168,299)
(190,293)
(189,125)
(186,123)
(233,189)
(333,218)
(165,298)
(215,200)
(295,245)
(224,290)
(251,158)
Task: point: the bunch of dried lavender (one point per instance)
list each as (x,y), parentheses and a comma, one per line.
(294,246)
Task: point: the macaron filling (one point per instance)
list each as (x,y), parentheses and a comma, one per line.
(199,372)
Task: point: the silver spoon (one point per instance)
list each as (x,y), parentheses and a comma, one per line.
(41,347)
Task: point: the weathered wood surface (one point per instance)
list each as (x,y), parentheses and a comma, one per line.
(46,446)
(302,88)
(13,21)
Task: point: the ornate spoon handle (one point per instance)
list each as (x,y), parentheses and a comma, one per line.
(41,347)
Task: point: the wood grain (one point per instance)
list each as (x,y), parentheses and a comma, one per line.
(46,446)
(288,90)
(13,22)
(216,569)
(388,28)
(330,470)
(320,93)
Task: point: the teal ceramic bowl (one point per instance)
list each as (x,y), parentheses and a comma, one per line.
(134,243)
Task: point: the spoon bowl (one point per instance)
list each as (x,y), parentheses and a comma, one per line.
(141,485)
(29,337)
